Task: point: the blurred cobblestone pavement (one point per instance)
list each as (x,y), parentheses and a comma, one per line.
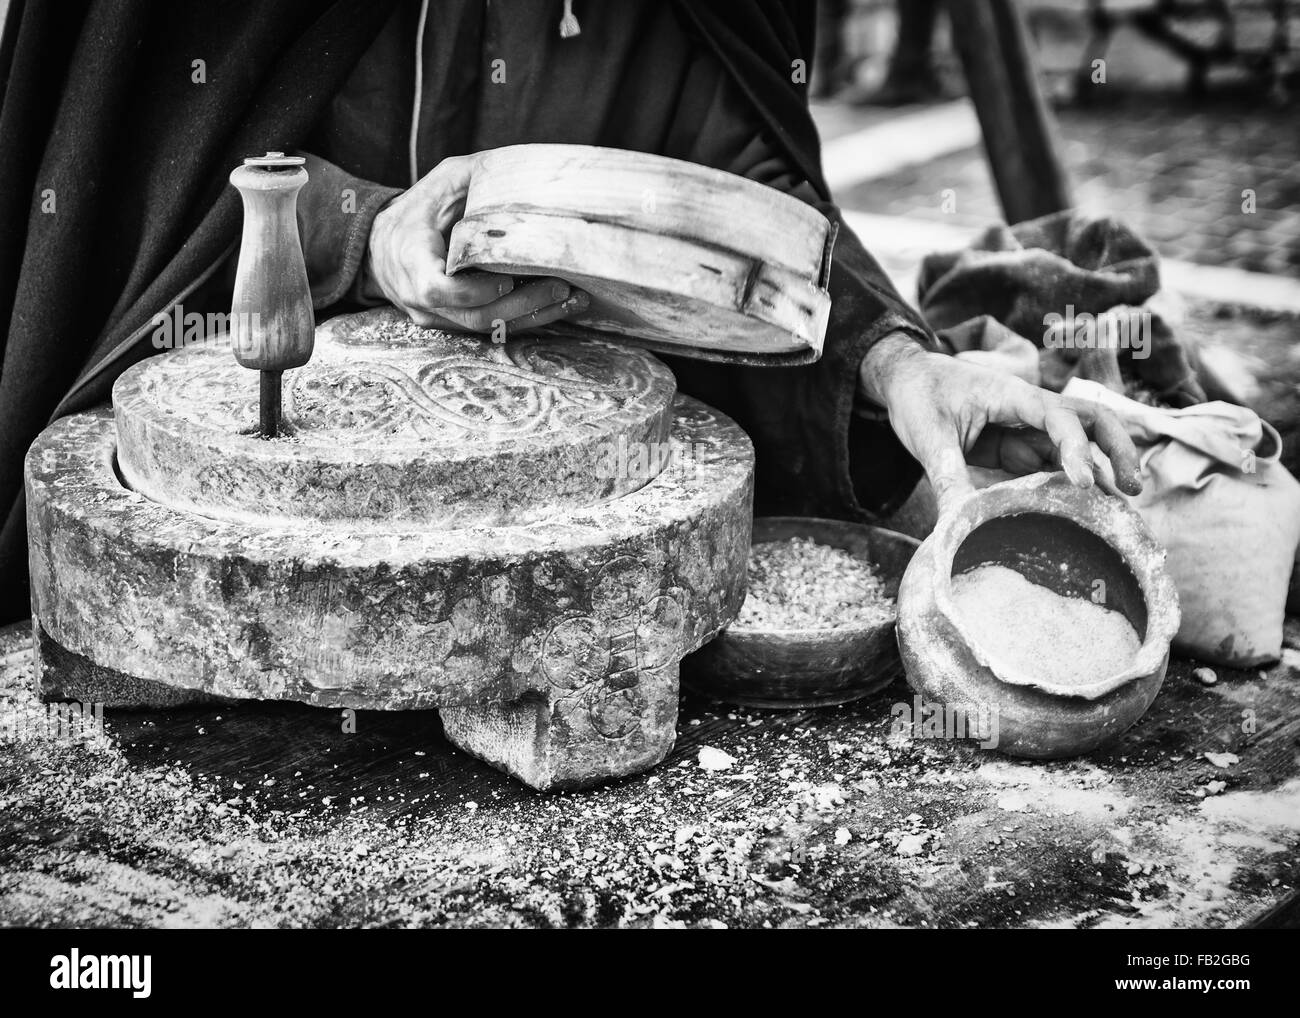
(1175,172)
(1135,145)
(1184,172)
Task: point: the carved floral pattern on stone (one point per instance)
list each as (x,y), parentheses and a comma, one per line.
(596,662)
(521,388)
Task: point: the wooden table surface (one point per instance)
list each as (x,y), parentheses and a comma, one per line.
(274,815)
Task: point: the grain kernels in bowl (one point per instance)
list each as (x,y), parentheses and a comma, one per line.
(817,627)
(797,583)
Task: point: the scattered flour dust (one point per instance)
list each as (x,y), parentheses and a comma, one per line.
(1279,808)
(1028,629)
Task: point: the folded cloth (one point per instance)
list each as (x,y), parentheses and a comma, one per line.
(1080,289)
(1216,495)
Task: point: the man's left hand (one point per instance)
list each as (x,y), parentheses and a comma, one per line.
(950,413)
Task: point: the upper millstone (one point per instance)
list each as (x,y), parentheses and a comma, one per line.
(397,426)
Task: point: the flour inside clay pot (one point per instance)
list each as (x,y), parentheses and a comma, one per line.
(1030,630)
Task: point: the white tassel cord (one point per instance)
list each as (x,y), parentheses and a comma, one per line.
(413,147)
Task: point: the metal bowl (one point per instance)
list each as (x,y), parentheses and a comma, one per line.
(756,666)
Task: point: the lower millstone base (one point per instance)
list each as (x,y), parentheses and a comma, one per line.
(571,740)
(63,675)
(551,649)
(567,739)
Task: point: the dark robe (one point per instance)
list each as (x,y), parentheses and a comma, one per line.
(115,148)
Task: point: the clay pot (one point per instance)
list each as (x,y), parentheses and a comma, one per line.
(793,668)
(1062,538)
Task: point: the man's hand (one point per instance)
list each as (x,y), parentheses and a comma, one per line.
(407,265)
(948,413)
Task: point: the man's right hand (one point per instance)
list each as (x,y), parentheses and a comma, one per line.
(406,264)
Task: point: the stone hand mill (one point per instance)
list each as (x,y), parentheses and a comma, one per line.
(405,519)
